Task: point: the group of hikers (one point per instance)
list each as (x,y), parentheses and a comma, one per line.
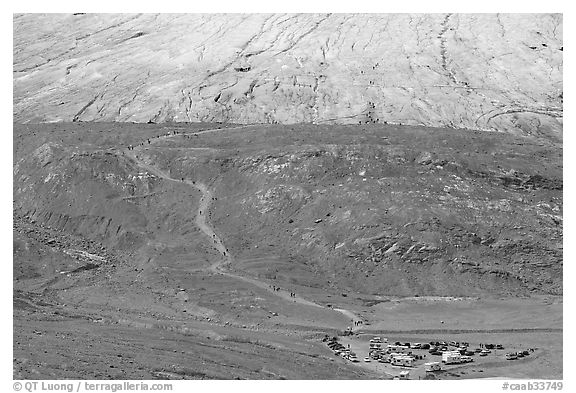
(276,289)
(130,147)
(357,323)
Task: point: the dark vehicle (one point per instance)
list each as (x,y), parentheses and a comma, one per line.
(397,343)
(525,353)
(499,346)
(425,346)
(469,353)
(434,349)
(407,345)
(520,354)
(436,353)
(478,350)
(489,346)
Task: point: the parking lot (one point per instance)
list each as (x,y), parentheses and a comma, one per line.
(470,360)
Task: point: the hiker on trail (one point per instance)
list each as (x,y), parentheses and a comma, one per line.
(182,179)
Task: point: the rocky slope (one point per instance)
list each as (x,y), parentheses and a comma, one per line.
(482,71)
(384,210)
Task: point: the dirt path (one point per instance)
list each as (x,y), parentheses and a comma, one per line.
(196,133)
(349,314)
(200,220)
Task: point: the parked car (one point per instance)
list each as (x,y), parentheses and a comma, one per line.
(499,346)
(478,350)
(520,354)
(469,353)
(367,359)
(525,353)
(483,354)
(425,346)
(486,351)
(511,356)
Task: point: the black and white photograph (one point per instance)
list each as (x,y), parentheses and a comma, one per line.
(287,196)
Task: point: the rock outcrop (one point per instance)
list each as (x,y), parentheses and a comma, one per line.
(487,72)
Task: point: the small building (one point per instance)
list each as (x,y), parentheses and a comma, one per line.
(451,357)
(401,360)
